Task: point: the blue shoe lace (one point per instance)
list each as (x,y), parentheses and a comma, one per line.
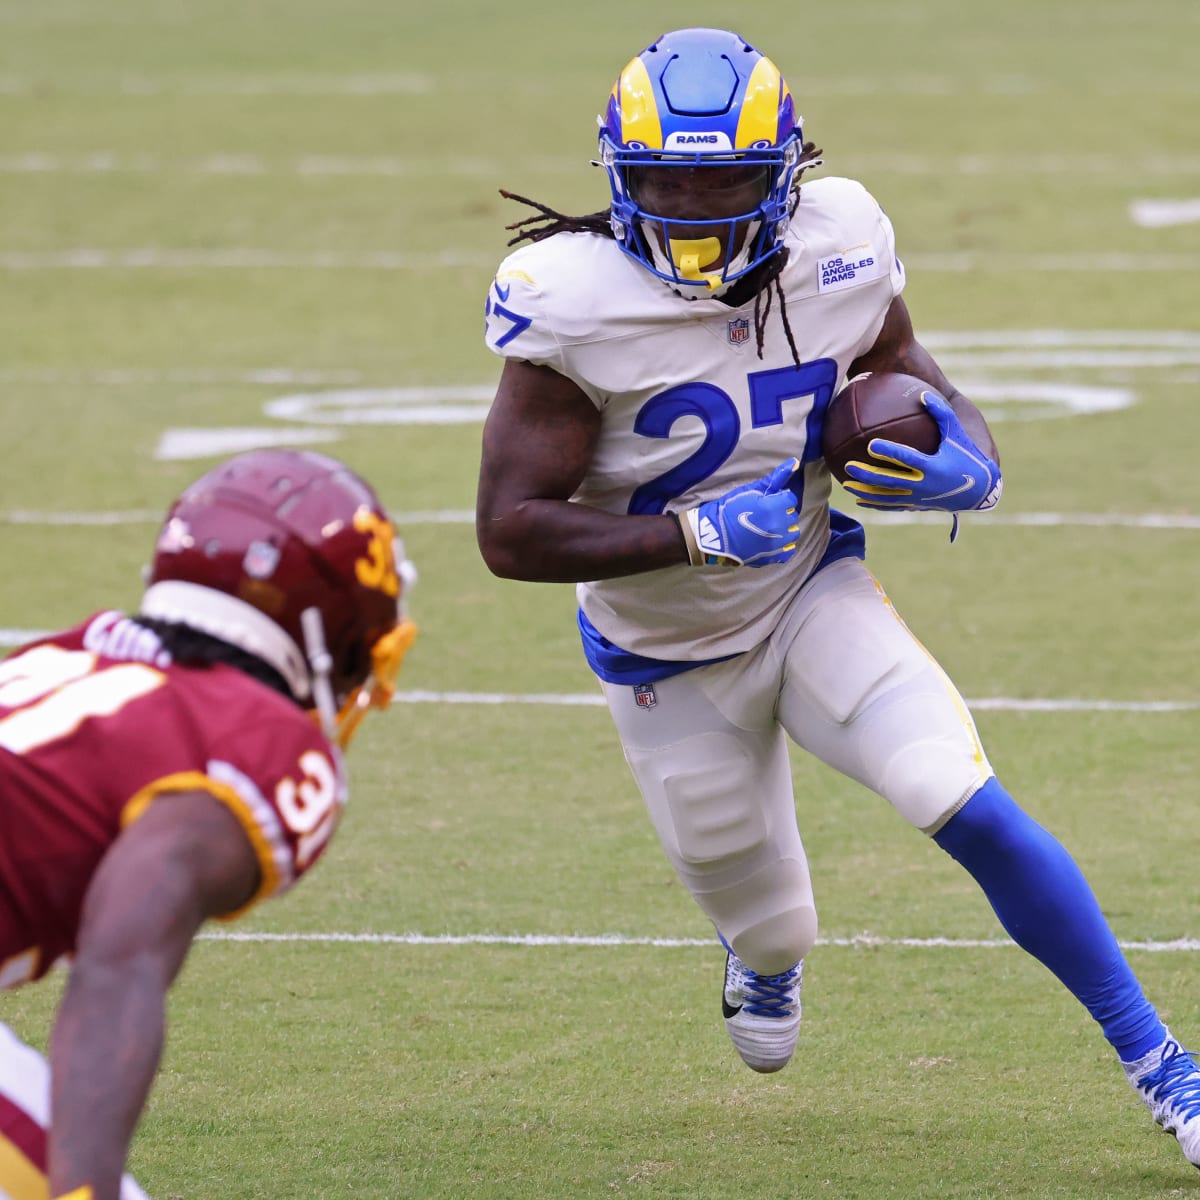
(771,995)
(1176,1081)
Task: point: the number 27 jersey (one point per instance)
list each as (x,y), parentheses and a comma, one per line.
(688,407)
(93,730)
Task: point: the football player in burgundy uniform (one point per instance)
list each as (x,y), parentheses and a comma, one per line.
(656,438)
(177,765)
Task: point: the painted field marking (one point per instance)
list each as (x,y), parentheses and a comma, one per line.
(991,365)
(414,83)
(236,258)
(197,376)
(396,84)
(465,516)
(987,703)
(862,940)
(243,258)
(18,637)
(305,166)
(186,444)
(108,162)
(21,516)
(1161,214)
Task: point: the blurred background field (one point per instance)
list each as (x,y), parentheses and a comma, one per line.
(223,224)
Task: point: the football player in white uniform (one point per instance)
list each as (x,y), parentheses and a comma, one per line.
(655,438)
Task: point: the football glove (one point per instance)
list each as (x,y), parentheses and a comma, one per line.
(751,526)
(957,477)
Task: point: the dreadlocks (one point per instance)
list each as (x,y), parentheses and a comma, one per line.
(549,222)
(757,283)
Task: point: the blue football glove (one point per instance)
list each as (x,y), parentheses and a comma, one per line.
(751,526)
(957,477)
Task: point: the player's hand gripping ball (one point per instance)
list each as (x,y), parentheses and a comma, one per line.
(878,404)
(896,444)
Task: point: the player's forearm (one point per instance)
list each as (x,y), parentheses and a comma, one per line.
(552,541)
(104,1052)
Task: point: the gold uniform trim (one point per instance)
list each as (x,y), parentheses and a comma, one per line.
(21,1180)
(197,781)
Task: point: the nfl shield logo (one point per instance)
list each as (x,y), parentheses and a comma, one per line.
(643,695)
(739,330)
(260,560)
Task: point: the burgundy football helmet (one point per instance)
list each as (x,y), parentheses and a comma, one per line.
(290,556)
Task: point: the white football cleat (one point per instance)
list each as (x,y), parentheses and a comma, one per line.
(762,1013)
(1168,1082)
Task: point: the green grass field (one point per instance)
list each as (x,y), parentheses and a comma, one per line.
(217,219)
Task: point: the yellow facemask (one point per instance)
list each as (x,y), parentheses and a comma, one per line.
(377,691)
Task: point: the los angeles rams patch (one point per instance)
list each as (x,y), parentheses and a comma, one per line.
(849,268)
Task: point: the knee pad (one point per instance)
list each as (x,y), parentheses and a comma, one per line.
(927,787)
(769,918)
(919,749)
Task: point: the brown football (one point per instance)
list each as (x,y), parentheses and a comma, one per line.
(877,404)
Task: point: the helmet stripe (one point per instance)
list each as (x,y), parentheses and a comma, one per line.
(765,93)
(639,110)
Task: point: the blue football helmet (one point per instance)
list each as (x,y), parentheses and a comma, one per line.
(701,98)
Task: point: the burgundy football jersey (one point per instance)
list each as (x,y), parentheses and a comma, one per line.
(95,724)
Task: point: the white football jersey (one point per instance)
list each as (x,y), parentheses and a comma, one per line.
(688,408)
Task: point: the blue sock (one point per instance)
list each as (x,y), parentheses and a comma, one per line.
(1048,908)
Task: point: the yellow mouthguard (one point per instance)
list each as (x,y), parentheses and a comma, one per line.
(690,256)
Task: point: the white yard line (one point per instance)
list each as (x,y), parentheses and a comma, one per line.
(989,347)
(864,940)
(20,516)
(103,162)
(157,258)
(464,516)
(108,162)
(413,83)
(235,259)
(1162,214)
(198,376)
(992,703)
(18,637)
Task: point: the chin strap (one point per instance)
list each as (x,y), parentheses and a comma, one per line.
(320,664)
(376,691)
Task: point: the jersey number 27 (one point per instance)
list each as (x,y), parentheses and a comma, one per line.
(715,408)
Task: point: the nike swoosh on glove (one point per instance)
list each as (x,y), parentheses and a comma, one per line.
(750,526)
(957,477)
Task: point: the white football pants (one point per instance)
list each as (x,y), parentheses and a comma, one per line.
(845,679)
(24,1121)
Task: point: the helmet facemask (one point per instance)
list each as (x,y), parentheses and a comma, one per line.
(704,256)
(373,662)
